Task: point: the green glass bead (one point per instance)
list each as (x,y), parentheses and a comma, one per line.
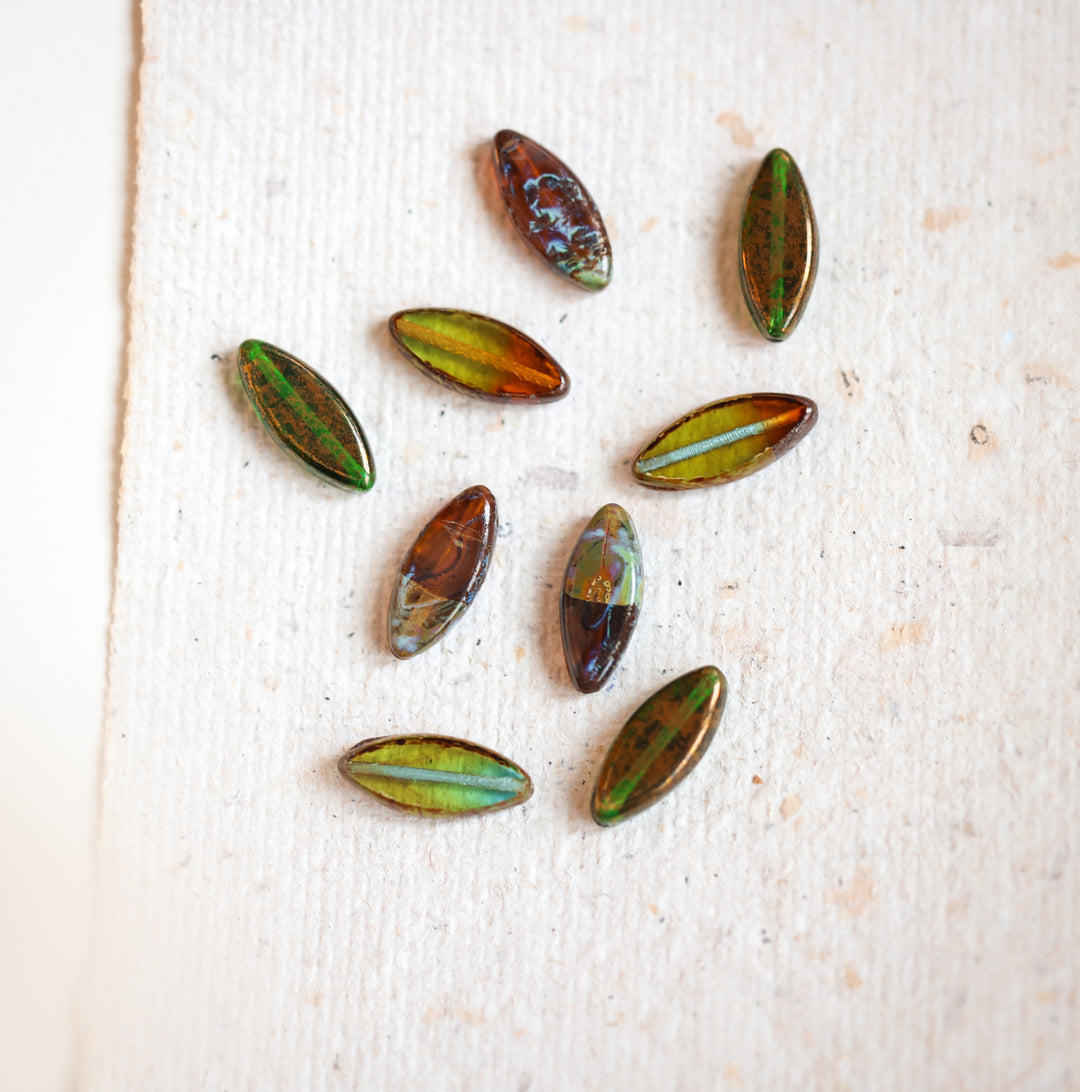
(778,246)
(478,356)
(436,775)
(659,745)
(725,441)
(305,415)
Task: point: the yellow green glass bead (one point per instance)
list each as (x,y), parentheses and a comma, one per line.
(307,418)
(478,356)
(778,246)
(436,775)
(659,745)
(724,441)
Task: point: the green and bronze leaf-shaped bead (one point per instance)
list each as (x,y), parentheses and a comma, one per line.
(725,441)
(659,745)
(305,415)
(436,775)
(778,246)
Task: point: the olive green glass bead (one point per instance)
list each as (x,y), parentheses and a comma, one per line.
(778,246)
(436,775)
(306,417)
(659,745)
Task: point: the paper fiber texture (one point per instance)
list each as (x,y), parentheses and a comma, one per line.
(871,881)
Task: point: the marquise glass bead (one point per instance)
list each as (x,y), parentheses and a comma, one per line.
(724,441)
(436,775)
(601,597)
(551,210)
(478,356)
(442,572)
(305,415)
(778,246)
(659,745)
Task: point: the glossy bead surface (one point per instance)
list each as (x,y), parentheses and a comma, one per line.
(778,246)
(724,441)
(305,415)
(601,597)
(478,356)
(436,775)
(659,745)
(442,572)
(551,210)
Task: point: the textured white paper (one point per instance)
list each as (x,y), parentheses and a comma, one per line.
(871,881)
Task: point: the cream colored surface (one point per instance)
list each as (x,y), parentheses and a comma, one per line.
(871,881)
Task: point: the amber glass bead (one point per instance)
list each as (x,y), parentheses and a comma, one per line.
(436,775)
(601,597)
(442,572)
(659,745)
(478,356)
(551,210)
(305,415)
(778,246)
(724,441)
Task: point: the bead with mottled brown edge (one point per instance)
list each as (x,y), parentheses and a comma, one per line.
(778,246)
(659,745)
(551,210)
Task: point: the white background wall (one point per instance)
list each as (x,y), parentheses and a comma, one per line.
(67,84)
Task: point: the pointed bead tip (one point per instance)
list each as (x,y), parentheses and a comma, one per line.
(586,683)
(605,818)
(403,647)
(594,279)
(344,763)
